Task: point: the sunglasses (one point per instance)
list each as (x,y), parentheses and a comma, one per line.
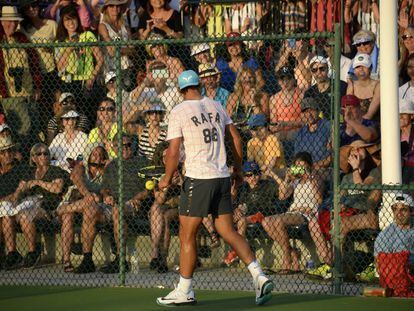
(363,43)
(40,153)
(320,69)
(111,109)
(127,145)
(407,37)
(70,101)
(112,81)
(248,174)
(97,165)
(406,209)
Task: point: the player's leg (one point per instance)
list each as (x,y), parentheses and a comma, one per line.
(224,226)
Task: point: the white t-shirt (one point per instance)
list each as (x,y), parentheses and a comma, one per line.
(201,124)
(406,91)
(61,149)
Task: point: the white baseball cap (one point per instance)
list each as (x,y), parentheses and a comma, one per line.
(403,198)
(199,48)
(70,114)
(64,96)
(318,59)
(362,60)
(3,127)
(109,76)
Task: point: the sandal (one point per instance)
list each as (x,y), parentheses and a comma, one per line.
(67,267)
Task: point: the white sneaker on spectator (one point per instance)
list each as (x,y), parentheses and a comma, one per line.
(177,297)
(263,286)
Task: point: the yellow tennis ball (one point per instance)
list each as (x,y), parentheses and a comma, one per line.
(150,185)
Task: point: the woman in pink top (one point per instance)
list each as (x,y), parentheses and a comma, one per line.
(284,106)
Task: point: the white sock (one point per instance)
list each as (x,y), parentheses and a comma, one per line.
(255,269)
(185,285)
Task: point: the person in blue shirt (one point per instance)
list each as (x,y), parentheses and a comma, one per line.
(210,81)
(237,59)
(314,136)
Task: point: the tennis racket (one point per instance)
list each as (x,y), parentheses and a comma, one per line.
(152,172)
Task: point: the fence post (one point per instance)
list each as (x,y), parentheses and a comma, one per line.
(337,269)
(120,165)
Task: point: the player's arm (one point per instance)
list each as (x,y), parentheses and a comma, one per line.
(172,159)
(237,146)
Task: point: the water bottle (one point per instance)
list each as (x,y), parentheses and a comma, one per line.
(134,262)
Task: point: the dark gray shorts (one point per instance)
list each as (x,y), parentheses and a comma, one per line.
(200,197)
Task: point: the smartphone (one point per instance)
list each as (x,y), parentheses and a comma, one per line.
(160,73)
(291,43)
(297,170)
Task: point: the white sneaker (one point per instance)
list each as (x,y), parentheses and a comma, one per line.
(177,297)
(264,287)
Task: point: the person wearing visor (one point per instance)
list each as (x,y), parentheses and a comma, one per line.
(151,134)
(364,41)
(365,88)
(264,147)
(68,146)
(65,101)
(210,81)
(201,124)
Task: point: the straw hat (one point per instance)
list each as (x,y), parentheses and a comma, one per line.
(6,143)
(10,13)
(344,152)
(113,2)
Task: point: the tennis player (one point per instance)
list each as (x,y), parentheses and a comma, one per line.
(201,124)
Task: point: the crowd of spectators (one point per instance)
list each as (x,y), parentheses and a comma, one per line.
(58,111)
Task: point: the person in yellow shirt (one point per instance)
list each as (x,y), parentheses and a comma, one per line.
(264,148)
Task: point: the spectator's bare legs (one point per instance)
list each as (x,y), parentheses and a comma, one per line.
(115,218)
(188,245)
(157,224)
(91,216)
(360,221)
(67,235)
(29,231)
(275,226)
(9,233)
(322,248)
(169,215)
(224,227)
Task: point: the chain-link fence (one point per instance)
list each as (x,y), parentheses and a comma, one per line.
(79,197)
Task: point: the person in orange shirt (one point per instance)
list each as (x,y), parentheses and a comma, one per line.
(264,148)
(284,106)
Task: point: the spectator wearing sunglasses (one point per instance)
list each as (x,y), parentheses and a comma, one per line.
(364,41)
(406,91)
(106,126)
(134,192)
(71,143)
(406,50)
(83,197)
(65,101)
(321,91)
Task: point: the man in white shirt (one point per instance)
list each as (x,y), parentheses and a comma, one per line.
(201,124)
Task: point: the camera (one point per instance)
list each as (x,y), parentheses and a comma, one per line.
(17,74)
(297,170)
